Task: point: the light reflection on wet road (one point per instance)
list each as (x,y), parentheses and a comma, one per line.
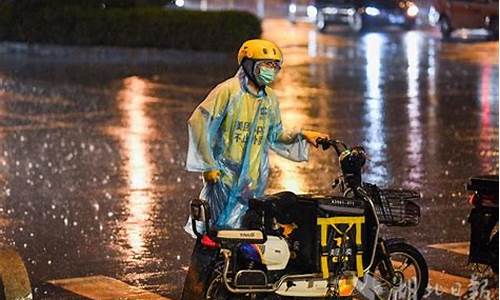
(92,153)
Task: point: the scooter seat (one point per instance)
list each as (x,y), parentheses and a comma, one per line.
(273,201)
(260,204)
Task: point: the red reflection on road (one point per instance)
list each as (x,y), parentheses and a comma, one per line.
(485,142)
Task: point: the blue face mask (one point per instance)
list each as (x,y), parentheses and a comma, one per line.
(266,75)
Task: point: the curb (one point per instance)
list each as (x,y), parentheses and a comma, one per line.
(111,54)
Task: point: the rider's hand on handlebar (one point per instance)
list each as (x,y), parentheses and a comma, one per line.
(312,136)
(211,176)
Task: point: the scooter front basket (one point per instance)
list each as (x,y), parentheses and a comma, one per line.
(395,207)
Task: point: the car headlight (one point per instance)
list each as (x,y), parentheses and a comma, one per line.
(312,11)
(412,10)
(433,16)
(372,11)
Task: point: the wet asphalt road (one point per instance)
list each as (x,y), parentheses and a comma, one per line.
(92,152)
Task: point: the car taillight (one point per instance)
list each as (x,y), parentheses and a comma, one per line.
(207,242)
(473,199)
(483,200)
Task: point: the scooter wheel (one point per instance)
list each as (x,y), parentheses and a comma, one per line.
(216,289)
(409,266)
(494,253)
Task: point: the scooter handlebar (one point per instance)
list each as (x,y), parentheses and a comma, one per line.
(326,143)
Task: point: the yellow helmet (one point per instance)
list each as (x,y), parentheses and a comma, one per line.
(259,49)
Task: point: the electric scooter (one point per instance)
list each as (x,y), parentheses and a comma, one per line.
(483,219)
(322,247)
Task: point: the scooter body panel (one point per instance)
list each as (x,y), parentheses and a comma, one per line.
(275,253)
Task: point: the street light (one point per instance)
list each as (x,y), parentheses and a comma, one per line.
(179,3)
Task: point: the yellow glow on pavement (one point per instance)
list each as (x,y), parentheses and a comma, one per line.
(138,167)
(459,248)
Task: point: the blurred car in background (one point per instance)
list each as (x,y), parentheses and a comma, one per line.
(364,14)
(302,10)
(471,14)
(174,4)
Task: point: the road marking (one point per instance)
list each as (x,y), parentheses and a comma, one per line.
(460,248)
(443,282)
(447,283)
(104,288)
(107,288)
(13,275)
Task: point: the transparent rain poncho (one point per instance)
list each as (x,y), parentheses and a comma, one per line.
(232,131)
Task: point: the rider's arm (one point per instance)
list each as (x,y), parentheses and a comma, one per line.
(203,126)
(289,144)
